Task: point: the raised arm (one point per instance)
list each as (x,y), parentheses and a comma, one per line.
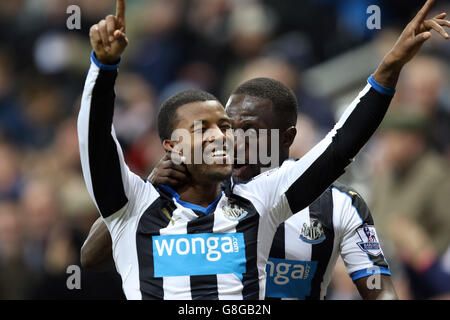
(109,181)
(301,182)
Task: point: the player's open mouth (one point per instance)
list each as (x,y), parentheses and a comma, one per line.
(219,156)
(219,153)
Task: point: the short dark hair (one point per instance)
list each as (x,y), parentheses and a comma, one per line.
(167,113)
(283,99)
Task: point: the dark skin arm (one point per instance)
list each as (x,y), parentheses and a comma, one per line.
(386,291)
(96,252)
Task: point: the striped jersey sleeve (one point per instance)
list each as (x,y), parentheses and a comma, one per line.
(360,247)
(299,183)
(112,186)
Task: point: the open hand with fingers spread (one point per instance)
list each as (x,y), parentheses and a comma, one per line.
(415,34)
(108,38)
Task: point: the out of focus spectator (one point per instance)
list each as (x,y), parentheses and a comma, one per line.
(41,212)
(341,285)
(410,202)
(16,277)
(160,50)
(424,89)
(318,109)
(11,178)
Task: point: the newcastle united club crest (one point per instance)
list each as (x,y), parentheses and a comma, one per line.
(313,233)
(233,212)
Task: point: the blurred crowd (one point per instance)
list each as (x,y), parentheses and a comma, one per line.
(45,211)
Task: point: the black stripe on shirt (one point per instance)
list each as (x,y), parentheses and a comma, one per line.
(322,209)
(150,224)
(358,202)
(346,143)
(249,227)
(278,249)
(203,287)
(104,164)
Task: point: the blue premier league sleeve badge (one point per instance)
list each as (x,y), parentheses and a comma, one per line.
(369,240)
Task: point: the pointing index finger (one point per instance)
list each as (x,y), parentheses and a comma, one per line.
(120,12)
(423,12)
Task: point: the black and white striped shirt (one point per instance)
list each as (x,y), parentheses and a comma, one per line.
(306,246)
(165,248)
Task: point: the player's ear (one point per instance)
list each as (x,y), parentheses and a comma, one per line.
(173,146)
(169,145)
(288,136)
(175,150)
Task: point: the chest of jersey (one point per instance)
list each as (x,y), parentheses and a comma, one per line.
(175,241)
(300,253)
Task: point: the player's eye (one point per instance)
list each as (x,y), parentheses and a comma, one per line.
(249,129)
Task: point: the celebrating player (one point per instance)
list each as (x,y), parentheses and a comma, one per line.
(197,241)
(306,246)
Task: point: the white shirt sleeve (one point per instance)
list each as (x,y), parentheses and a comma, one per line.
(117,192)
(359,245)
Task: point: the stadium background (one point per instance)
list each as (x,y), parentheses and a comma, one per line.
(322,49)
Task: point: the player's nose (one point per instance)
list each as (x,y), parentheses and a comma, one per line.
(214,134)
